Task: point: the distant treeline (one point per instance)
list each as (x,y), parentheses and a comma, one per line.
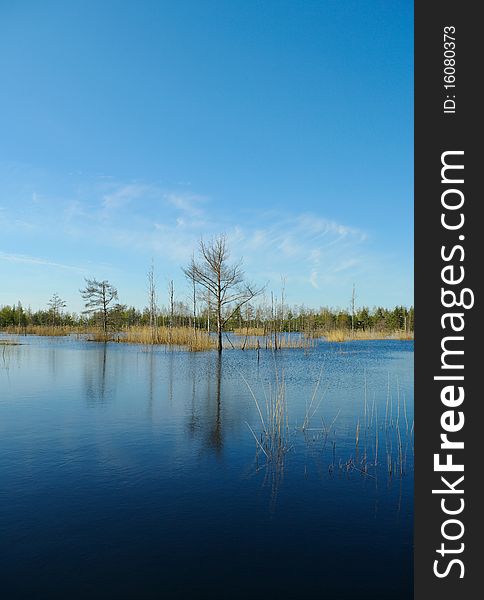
(221,300)
(260,317)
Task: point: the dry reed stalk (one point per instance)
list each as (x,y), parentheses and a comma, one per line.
(400,453)
(250,331)
(336,335)
(267,342)
(44,330)
(311,408)
(388,398)
(185,337)
(376,436)
(405,411)
(274,436)
(346,335)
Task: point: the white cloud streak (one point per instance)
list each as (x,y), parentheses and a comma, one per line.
(37,261)
(135,218)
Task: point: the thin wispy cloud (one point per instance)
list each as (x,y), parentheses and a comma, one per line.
(345,265)
(186,203)
(9,223)
(38,261)
(168,225)
(123,195)
(125,224)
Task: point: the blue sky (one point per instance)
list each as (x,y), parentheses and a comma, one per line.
(130,129)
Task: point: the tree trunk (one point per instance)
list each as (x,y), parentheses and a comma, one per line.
(220,346)
(219,328)
(219,311)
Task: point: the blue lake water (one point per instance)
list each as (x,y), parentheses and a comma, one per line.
(133,472)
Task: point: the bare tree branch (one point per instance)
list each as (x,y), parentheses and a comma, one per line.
(224,281)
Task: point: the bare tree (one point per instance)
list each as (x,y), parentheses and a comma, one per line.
(171,294)
(152,306)
(205,297)
(353,306)
(194,300)
(56,304)
(223,281)
(99,296)
(273,321)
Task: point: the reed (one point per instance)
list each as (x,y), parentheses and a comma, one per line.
(98,335)
(180,336)
(249,331)
(185,337)
(273,438)
(374,437)
(346,335)
(47,330)
(337,335)
(268,342)
(309,407)
(6,348)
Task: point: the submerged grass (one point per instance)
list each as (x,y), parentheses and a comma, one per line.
(370,434)
(273,439)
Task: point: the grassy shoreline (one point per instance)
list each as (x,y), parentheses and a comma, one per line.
(336,335)
(197,340)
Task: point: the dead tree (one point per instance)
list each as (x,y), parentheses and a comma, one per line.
(353,305)
(171,294)
(152,306)
(194,299)
(223,281)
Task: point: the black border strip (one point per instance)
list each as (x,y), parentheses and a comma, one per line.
(437,132)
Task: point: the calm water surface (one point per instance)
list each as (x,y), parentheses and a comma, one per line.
(131,472)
